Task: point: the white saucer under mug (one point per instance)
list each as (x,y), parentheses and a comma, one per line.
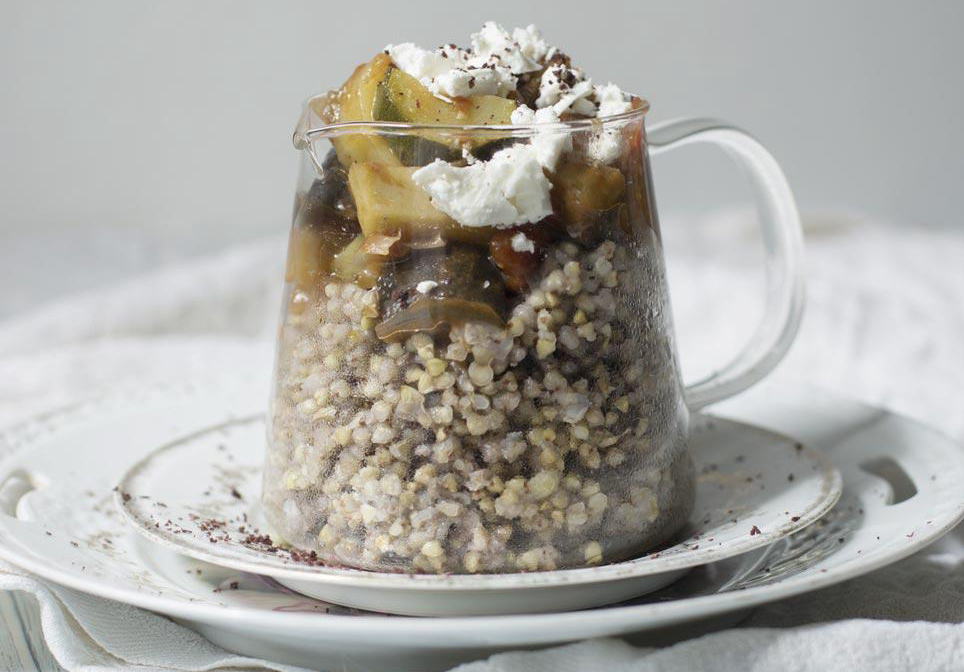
(198,496)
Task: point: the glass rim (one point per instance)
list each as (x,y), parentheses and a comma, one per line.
(306,133)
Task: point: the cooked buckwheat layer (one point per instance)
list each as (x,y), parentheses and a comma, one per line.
(529,447)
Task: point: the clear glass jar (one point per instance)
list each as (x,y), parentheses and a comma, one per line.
(453,398)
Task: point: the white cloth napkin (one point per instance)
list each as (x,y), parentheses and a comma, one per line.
(885,323)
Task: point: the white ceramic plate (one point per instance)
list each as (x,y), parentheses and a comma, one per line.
(91,548)
(195,496)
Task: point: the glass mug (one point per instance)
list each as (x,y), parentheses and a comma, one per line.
(446,401)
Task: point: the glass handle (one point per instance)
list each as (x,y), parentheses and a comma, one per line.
(783,247)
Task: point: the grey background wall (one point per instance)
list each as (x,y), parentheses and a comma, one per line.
(169,122)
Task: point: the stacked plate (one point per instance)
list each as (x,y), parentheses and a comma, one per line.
(150,498)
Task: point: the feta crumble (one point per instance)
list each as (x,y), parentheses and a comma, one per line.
(611,100)
(522,243)
(509,189)
(493,64)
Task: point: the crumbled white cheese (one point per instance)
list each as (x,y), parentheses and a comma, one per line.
(426,286)
(605,145)
(611,100)
(532,44)
(562,87)
(449,71)
(521,243)
(493,64)
(555,81)
(491,67)
(422,64)
(509,189)
(549,143)
(523,115)
(577,99)
(473,82)
(519,52)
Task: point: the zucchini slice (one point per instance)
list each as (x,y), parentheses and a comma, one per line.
(388,201)
(356,101)
(401,97)
(378,91)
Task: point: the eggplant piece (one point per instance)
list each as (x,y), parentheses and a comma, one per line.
(487,151)
(440,287)
(588,199)
(328,205)
(519,265)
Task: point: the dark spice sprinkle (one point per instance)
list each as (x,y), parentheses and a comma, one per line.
(798,447)
(840,540)
(49,534)
(795,518)
(236,494)
(909,535)
(790,477)
(75,544)
(754,531)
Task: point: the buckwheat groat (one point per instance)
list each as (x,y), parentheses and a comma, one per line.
(474,372)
